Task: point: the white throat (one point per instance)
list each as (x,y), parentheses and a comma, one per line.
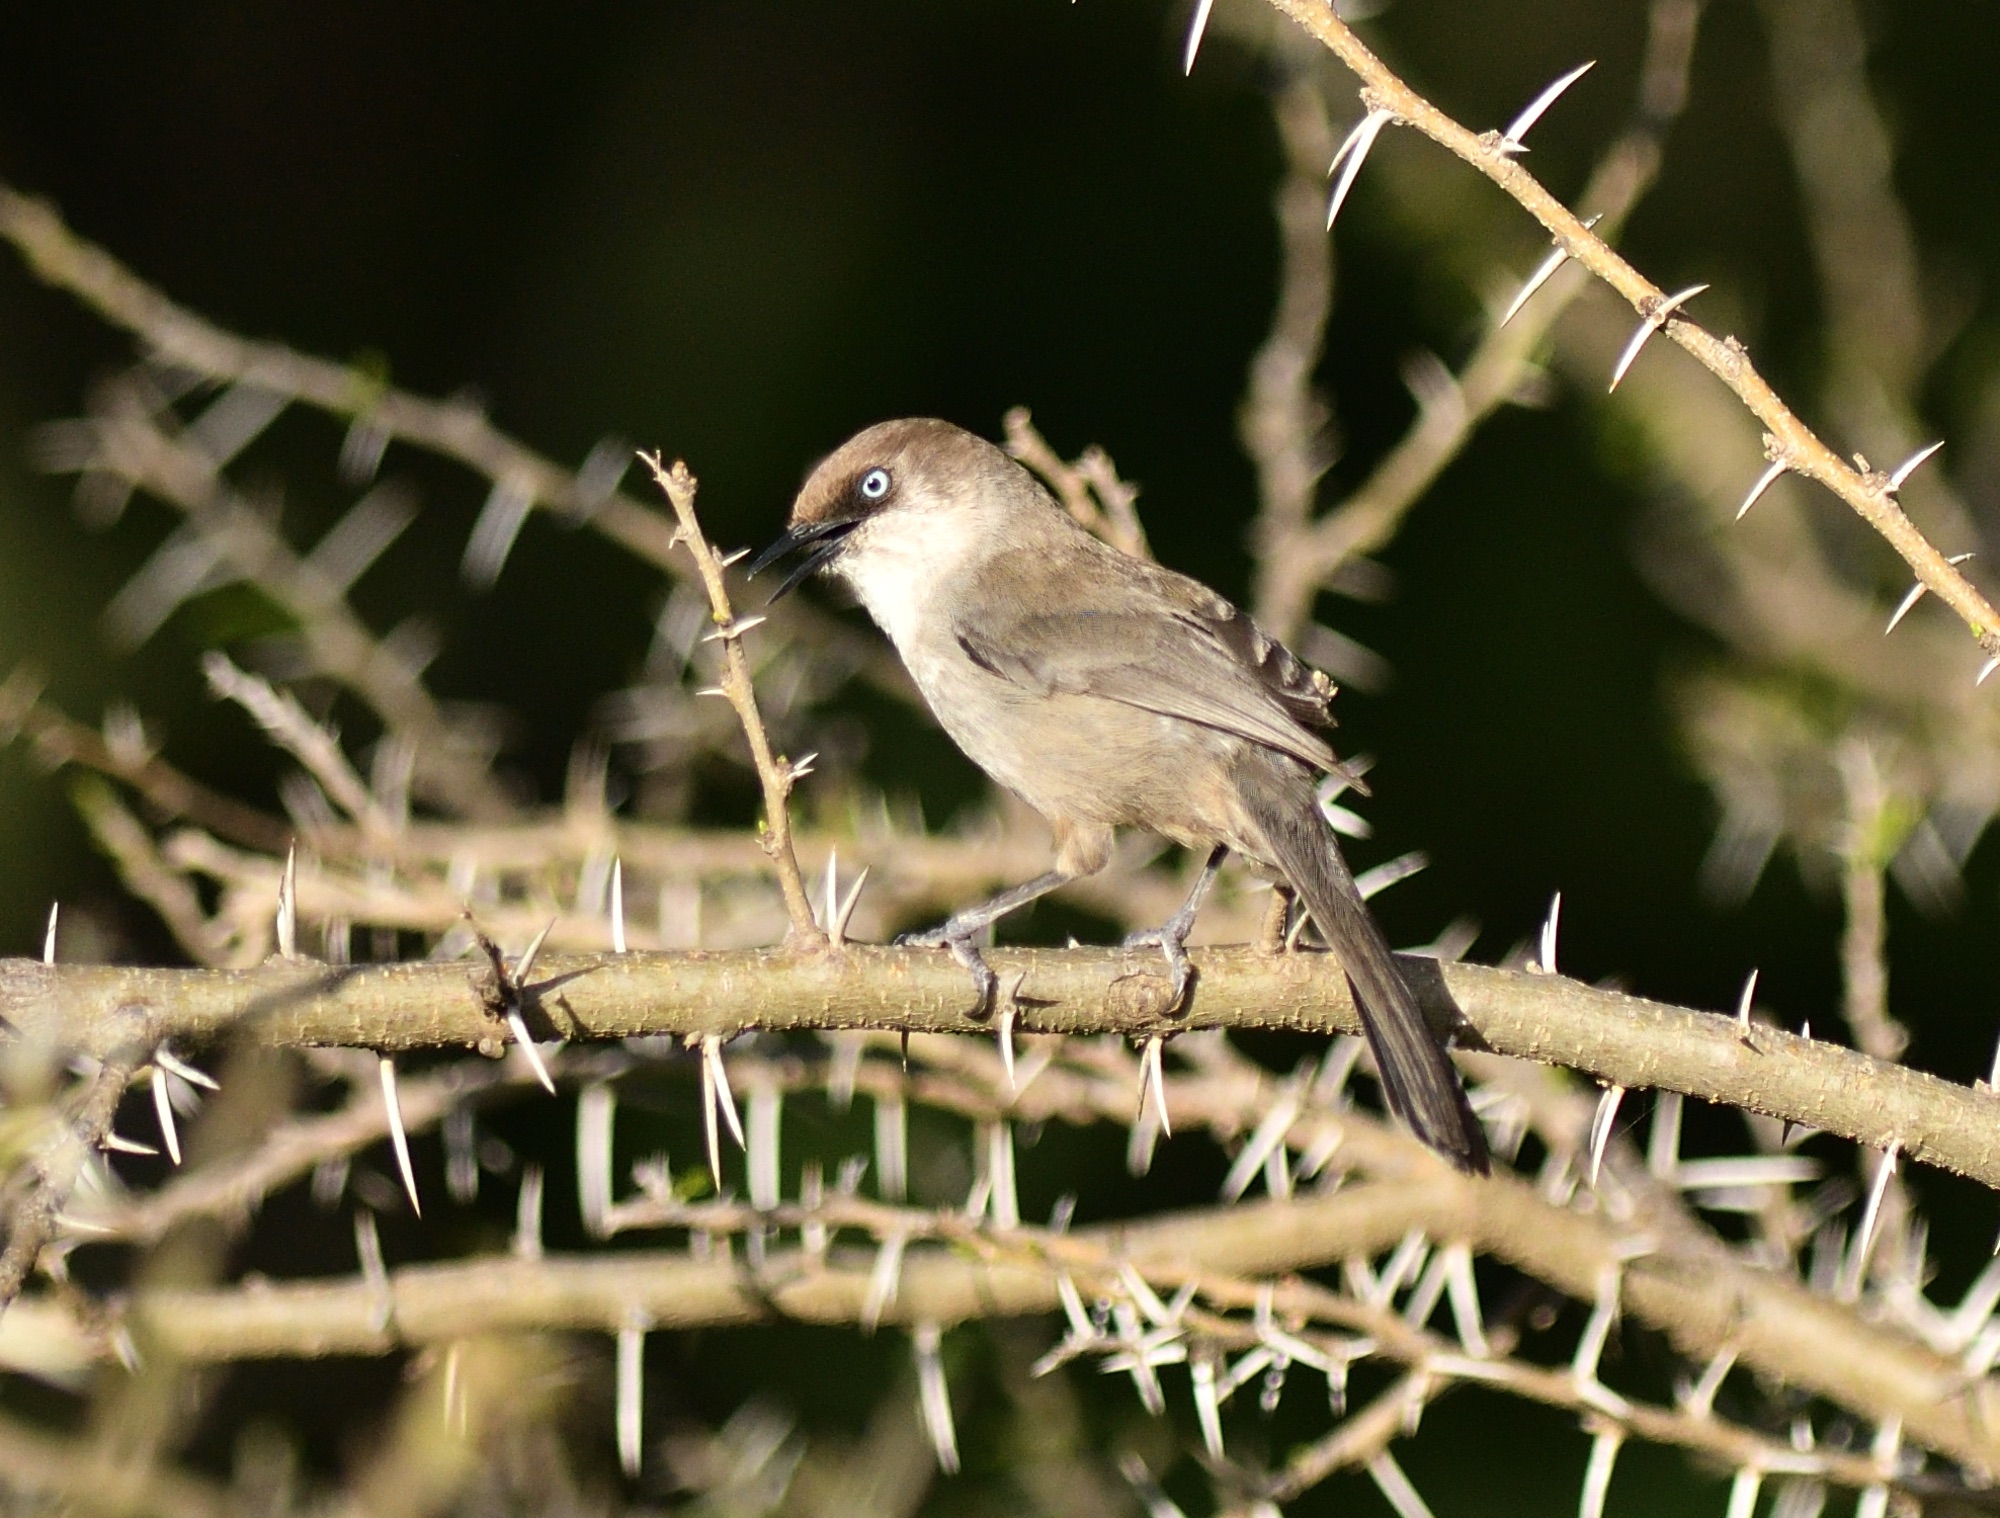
(899,563)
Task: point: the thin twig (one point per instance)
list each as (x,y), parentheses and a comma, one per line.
(775,775)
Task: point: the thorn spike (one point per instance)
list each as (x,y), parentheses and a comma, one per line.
(934,1394)
(1648,327)
(1196,29)
(1916,594)
(525,965)
(1544,272)
(288,906)
(1600,1127)
(1597,1473)
(1910,466)
(518,1026)
(1521,125)
(1349,159)
(725,1099)
(49,937)
(630,1399)
(163,1109)
(617,906)
(399,1137)
(1764,482)
(1549,931)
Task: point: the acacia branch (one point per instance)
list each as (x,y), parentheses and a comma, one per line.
(1622,1040)
(1789,440)
(774,773)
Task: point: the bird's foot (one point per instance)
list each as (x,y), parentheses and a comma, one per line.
(1171,940)
(958,939)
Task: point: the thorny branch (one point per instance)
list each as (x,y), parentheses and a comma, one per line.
(1625,1040)
(1283,421)
(777,775)
(1789,442)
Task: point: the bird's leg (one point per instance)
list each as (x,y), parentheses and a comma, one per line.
(1172,935)
(1277,930)
(958,932)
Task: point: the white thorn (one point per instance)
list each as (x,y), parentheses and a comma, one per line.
(528,1215)
(1855,1274)
(1003,1032)
(1648,327)
(1903,606)
(596,1120)
(1000,1167)
(288,905)
(1597,1473)
(1764,482)
(1269,1135)
(617,905)
(761,1147)
(935,1396)
(832,890)
(630,1400)
(1521,125)
(1462,1290)
(1909,466)
(1986,669)
(1600,1127)
(525,965)
(1195,30)
(733,629)
(1700,1400)
(49,937)
(711,1057)
(368,1251)
(1348,159)
(884,1281)
(1396,1488)
(1743,1492)
(1872,1503)
(1153,1081)
(1916,594)
(1663,1144)
(1544,272)
(163,1108)
(165,1056)
(1207,1410)
(399,1137)
(735,557)
(892,1148)
(1603,1313)
(1373,882)
(801,766)
(119,1145)
(837,929)
(519,1027)
(1743,1002)
(1550,927)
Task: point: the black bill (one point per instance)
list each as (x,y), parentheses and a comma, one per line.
(821,541)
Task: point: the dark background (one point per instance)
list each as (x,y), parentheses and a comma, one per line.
(740,231)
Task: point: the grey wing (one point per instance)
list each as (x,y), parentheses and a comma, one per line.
(1183,653)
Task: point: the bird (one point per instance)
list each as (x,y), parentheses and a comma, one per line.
(1107,692)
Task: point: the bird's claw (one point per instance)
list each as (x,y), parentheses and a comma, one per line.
(1170,940)
(985,984)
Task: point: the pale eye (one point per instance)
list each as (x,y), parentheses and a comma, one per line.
(874,484)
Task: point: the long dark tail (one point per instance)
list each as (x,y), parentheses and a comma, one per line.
(1418,1078)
